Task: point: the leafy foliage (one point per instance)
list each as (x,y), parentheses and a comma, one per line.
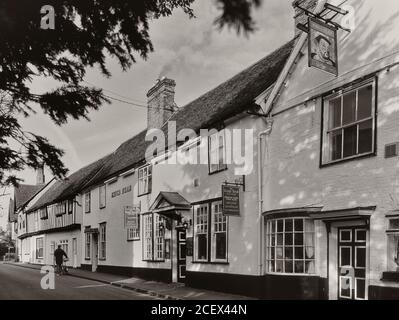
(85,34)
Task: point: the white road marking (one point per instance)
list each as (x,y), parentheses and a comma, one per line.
(92,286)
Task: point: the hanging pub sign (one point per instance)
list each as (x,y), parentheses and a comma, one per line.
(231,200)
(132,216)
(323,46)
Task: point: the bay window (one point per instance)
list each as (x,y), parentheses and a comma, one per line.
(147,237)
(103,241)
(290,244)
(349,123)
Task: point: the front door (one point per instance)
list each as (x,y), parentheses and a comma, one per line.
(94,254)
(352,263)
(181,255)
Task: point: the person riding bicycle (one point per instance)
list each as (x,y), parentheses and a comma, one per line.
(59,254)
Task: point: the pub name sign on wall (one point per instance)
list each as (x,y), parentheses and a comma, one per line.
(322,37)
(231,193)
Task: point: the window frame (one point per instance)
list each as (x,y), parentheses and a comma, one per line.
(102,241)
(133,233)
(88,202)
(269,247)
(141,180)
(220,166)
(156,233)
(38,249)
(325,145)
(225,222)
(392,237)
(210,236)
(87,245)
(100,204)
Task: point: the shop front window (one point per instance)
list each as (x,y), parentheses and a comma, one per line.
(290,244)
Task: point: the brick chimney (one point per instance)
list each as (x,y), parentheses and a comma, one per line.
(161,103)
(300,16)
(40,178)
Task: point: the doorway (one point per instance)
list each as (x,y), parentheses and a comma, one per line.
(181,255)
(352,263)
(94,253)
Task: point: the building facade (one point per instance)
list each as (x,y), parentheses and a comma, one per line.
(330,188)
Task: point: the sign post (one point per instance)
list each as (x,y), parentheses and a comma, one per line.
(231,200)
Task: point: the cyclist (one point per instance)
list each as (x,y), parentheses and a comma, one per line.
(59,254)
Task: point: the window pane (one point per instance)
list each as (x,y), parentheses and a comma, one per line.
(202,247)
(289,266)
(280,238)
(349,108)
(288,226)
(366,137)
(365,103)
(360,289)
(221,246)
(299,267)
(289,253)
(298,253)
(299,225)
(298,239)
(279,253)
(335,113)
(279,266)
(289,239)
(280,225)
(336,145)
(350,137)
(310,267)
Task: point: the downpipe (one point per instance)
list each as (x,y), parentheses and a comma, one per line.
(261,138)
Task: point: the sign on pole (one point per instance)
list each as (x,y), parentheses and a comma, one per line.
(323,46)
(231,200)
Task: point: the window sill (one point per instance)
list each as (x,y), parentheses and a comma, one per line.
(154,261)
(291,274)
(392,276)
(218,171)
(211,262)
(358,157)
(144,194)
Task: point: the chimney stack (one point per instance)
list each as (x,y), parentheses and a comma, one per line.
(40,178)
(300,16)
(161,103)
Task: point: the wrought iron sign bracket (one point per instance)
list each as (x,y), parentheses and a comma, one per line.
(237,183)
(322,16)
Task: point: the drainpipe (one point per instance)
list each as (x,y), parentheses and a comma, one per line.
(261,136)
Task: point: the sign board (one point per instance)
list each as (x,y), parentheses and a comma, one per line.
(132,215)
(323,46)
(231,200)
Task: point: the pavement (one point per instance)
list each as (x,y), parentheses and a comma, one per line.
(151,289)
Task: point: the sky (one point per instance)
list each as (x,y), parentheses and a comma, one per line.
(193,52)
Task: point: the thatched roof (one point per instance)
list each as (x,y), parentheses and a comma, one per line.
(232,97)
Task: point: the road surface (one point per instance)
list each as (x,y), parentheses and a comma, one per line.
(17,283)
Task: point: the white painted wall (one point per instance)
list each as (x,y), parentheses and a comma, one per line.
(294,178)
